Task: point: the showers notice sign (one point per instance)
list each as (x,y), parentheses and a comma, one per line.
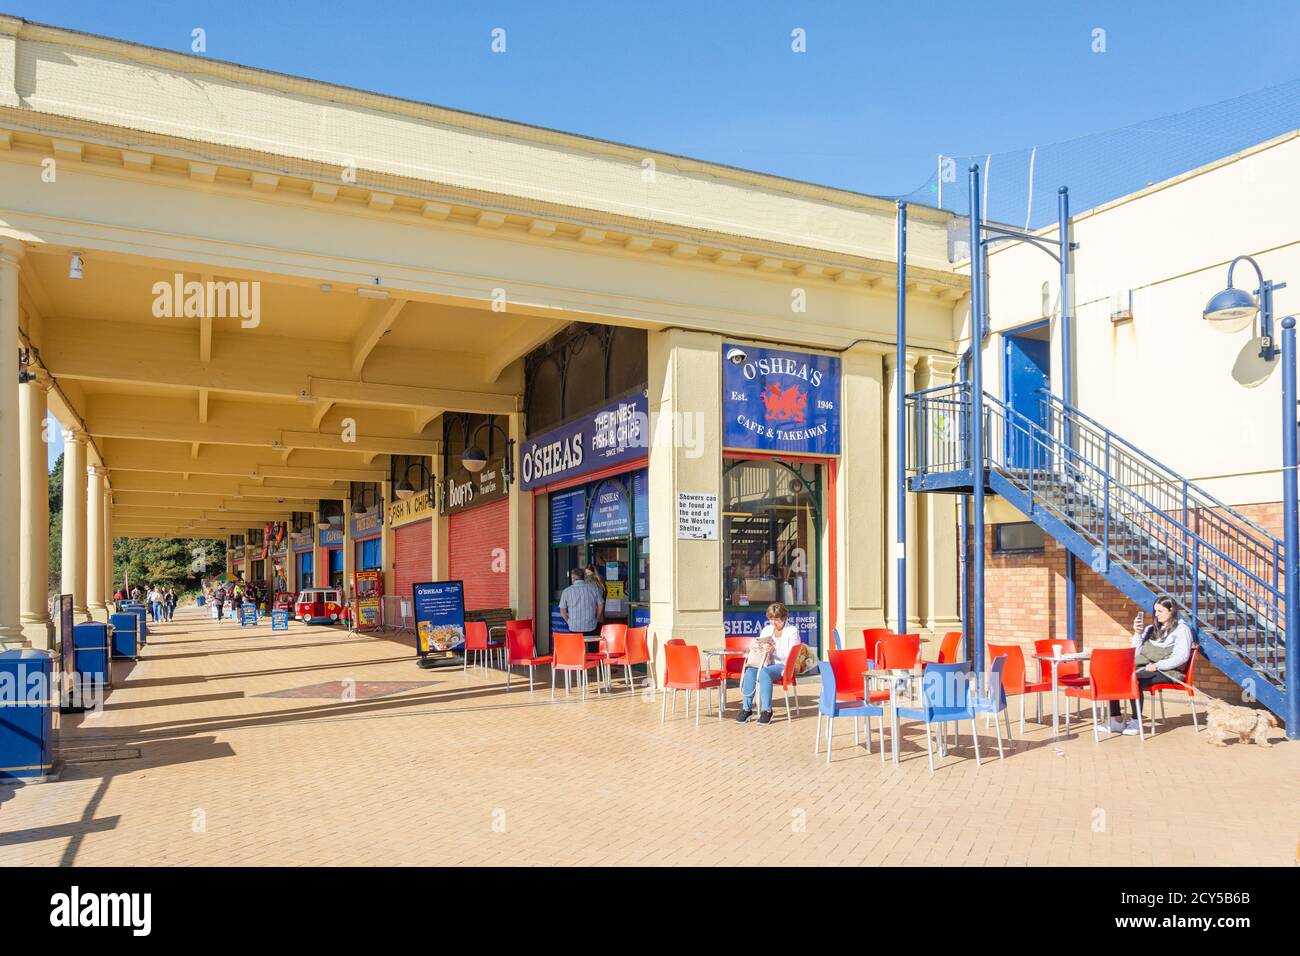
(697,516)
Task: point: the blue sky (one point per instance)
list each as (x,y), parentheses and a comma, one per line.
(882,89)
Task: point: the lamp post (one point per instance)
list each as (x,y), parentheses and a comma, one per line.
(1232,310)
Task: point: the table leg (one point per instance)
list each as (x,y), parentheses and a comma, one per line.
(893,709)
(1056,705)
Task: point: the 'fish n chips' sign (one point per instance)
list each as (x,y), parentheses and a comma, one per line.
(774,400)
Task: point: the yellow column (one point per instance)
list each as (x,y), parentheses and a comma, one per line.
(74,521)
(860,496)
(11,522)
(318,565)
(519,548)
(685,402)
(386,546)
(936,524)
(34,613)
(349,557)
(108,547)
(891,537)
(95,602)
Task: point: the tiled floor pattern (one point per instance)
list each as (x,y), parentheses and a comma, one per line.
(227,746)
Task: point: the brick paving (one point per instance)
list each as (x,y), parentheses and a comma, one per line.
(215,749)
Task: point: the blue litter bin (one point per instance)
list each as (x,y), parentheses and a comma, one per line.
(26,716)
(124,637)
(142,632)
(90,653)
(201,600)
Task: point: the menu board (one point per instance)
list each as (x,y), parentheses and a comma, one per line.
(439,620)
(280,620)
(248,616)
(608,512)
(568,516)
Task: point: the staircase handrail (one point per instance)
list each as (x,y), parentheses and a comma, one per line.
(1173,476)
(1033,426)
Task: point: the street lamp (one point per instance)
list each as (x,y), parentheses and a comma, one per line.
(474,458)
(1232,310)
(405,490)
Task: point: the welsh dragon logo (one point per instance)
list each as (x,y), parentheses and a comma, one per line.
(784,404)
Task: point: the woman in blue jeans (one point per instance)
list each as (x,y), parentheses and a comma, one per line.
(785,639)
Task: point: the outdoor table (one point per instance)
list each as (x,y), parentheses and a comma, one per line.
(895,677)
(1056,660)
(596,638)
(723,653)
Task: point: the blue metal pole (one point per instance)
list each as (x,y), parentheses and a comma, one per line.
(1067,387)
(963,568)
(976,421)
(900,424)
(1291,529)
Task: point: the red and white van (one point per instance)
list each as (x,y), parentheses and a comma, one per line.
(319,606)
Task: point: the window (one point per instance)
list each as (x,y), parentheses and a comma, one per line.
(365,495)
(770,533)
(1023,536)
(301,521)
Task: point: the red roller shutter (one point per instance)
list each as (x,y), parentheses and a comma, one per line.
(412,555)
(473,539)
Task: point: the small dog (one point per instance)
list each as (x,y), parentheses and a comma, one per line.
(1245,723)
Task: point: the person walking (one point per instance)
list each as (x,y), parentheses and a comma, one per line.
(169,602)
(219,599)
(156,602)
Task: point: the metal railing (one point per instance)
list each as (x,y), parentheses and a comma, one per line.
(1222,568)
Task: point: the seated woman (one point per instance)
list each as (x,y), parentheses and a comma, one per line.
(1163,650)
(785,639)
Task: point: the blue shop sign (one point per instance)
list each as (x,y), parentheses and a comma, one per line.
(300,541)
(368,523)
(608,512)
(750,623)
(568,516)
(617,433)
(331,538)
(774,400)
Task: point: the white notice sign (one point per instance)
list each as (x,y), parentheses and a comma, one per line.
(697,516)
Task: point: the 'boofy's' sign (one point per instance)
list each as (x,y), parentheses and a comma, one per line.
(776,400)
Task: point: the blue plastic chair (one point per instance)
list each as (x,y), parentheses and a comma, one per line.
(994,703)
(830,708)
(945,698)
(835,633)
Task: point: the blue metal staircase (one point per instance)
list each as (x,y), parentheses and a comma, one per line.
(1143,528)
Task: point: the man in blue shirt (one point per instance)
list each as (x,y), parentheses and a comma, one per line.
(580,605)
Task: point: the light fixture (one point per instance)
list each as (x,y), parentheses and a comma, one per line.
(1235,309)
(404,490)
(368,293)
(75,266)
(474,458)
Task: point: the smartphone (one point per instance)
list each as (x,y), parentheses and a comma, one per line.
(1141,620)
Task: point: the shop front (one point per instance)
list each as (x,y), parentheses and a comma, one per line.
(300,545)
(591,506)
(477,507)
(781,444)
(412,523)
(367,536)
(331,542)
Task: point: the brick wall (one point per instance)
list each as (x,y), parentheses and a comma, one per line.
(1025,601)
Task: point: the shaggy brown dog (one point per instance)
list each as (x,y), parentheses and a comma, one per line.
(1245,723)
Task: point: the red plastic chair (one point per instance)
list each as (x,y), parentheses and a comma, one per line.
(1158,690)
(477,642)
(683,673)
(636,650)
(570,656)
(613,643)
(522,652)
(847,667)
(788,683)
(872,636)
(898,651)
(950,648)
(1112,677)
(1014,681)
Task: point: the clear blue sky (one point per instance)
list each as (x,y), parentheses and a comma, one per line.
(882,89)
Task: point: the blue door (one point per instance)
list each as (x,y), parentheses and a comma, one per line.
(1027,369)
(305,561)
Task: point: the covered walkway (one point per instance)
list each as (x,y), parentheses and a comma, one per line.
(225,746)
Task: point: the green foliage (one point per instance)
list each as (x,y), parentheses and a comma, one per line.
(180,563)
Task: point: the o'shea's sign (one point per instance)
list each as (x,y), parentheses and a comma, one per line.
(777,400)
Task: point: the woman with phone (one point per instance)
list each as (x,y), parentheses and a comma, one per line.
(1163,650)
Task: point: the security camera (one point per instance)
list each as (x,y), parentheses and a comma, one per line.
(736,356)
